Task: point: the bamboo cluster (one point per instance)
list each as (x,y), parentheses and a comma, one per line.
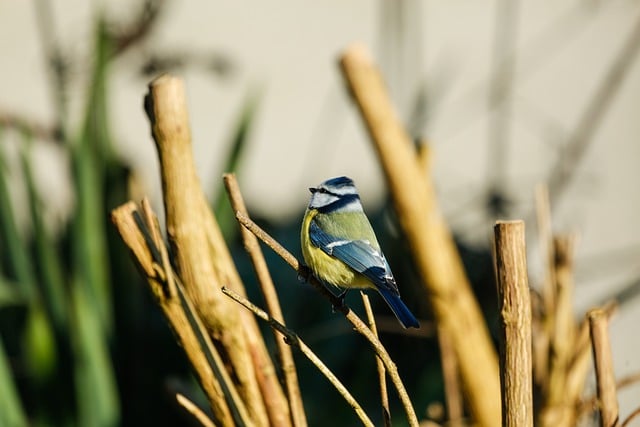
(204,300)
(543,350)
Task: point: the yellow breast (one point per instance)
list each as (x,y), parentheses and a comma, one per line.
(325,267)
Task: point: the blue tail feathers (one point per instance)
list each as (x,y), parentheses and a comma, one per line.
(402,312)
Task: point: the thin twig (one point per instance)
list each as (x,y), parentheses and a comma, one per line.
(605,378)
(270,295)
(382,377)
(628,380)
(194,410)
(515,314)
(631,416)
(339,305)
(293,339)
(592,401)
(36,129)
(543,323)
(57,63)
(562,330)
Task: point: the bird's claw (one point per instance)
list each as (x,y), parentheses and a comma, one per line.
(304,273)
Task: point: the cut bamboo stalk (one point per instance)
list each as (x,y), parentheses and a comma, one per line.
(543,325)
(605,378)
(184,200)
(515,325)
(428,236)
(163,290)
(561,404)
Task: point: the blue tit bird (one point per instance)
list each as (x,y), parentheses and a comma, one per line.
(340,247)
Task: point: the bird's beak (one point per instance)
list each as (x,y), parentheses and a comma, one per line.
(313,190)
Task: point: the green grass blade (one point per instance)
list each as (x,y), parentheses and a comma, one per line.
(40,350)
(46,252)
(11,411)
(9,294)
(90,157)
(96,392)
(19,266)
(97,397)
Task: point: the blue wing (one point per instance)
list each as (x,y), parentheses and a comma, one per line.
(357,254)
(365,259)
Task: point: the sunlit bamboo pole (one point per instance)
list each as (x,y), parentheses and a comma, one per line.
(428,236)
(183,200)
(164,290)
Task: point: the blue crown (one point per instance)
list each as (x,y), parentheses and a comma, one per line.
(339,182)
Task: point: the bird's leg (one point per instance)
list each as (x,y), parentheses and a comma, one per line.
(304,273)
(340,297)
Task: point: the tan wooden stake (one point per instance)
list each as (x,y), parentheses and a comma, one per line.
(515,325)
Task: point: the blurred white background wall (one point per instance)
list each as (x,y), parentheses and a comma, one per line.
(442,61)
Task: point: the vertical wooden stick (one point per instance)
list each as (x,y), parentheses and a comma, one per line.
(515,313)
(543,325)
(270,295)
(605,379)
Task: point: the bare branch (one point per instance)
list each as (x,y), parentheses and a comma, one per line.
(294,340)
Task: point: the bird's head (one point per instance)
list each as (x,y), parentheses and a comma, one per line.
(335,194)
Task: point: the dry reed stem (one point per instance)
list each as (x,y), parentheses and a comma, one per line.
(200,265)
(339,305)
(515,325)
(450,376)
(194,410)
(293,339)
(252,246)
(605,378)
(544,325)
(565,326)
(382,375)
(127,219)
(592,401)
(561,397)
(580,365)
(428,236)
